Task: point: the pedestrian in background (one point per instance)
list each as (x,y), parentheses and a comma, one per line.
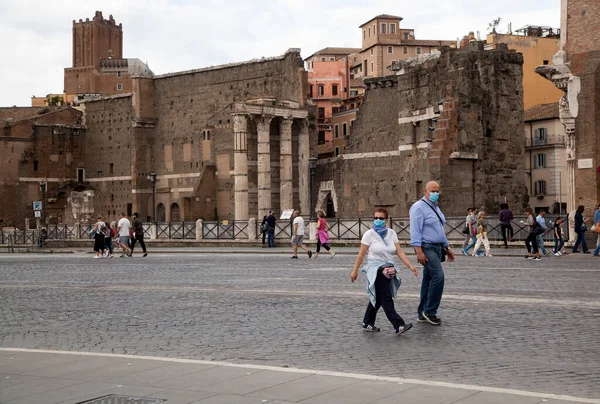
(504,217)
(263,229)
(580,229)
(596,229)
(428,237)
(298,235)
(108,237)
(323,235)
(271,220)
(123,228)
(558,238)
(98,237)
(482,235)
(138,234)
(379,244)
(470,231)
(540,237)
(531,240)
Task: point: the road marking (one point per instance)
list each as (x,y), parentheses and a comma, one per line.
(591,303)
(428,383)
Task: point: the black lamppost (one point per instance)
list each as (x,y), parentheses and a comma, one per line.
(43,187)
(153,179)
(312,164)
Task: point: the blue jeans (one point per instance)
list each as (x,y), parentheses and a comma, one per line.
(558,244)
(432,286)
(539,239)
(468,247)
(580,240)
(597,250)
(271,238)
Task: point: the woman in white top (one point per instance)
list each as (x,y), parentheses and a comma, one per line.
(379,245)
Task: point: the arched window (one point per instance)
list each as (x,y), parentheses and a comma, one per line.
(160,213)
(175,213)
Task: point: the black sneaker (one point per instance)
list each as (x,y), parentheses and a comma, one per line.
(421,319)
(403,328)
(432,319)
(537,259)
(309,254)
(529,257)
(294,257)
(370,328)
(145,254)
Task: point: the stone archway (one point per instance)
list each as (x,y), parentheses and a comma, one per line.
(327,198)
(330,212)
(175,213)
(160,213)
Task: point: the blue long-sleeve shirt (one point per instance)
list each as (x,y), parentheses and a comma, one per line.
(425,226)
(597,217)
(541,221)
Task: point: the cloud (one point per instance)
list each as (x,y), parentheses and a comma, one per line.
(175,35)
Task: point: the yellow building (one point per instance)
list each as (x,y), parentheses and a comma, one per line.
(538,45)
(52,99)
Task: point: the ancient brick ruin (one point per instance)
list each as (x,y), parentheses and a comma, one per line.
(455,117)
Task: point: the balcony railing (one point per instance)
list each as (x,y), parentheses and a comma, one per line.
(547,140)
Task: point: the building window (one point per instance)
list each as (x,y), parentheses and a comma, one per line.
(372,67)
(374,29)
(80,175)
(321,138)
(111,168)
(546,62)
(364,34)
(369,32)
(336,131)
(371,51)
(406,35)
(35,165)
(337,151)
(540,137)
(390,49)
(353,93)
(321,89)
(334,89)
(99,174)
(323,59)
(352,123)
(418,50)
(321,112)
(310,91)
(392,28)
(332,59)
(539,160)
(119,87)
(119,74)
(405,49)
(540,187)
(344,129)
(384,28)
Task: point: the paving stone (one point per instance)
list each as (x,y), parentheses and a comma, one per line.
(21,390)
(302,389)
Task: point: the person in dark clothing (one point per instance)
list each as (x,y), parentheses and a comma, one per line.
(138,234)
(263,229)
(558,238)
(504,218)
(580,231)
(531,241)
(271,220)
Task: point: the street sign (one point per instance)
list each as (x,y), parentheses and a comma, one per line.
(38,213)
(37,205)
(286,214)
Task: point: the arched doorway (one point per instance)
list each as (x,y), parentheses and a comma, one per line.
(175,217)
(160,213)
(330,212)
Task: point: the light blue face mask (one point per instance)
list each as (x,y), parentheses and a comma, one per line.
(378,223)
(434,196)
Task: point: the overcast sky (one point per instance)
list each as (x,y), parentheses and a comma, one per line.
(175,35)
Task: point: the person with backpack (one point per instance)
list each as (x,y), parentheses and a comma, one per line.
(98,237)
(108,237)
(138,234)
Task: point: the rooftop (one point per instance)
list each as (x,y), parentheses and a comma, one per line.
(382,16)
(14,114)
(335,51)
(542,112)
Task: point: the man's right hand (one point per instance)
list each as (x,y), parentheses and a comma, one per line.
(421,259)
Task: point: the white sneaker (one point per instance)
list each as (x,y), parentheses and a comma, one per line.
(557,254)
(95,256)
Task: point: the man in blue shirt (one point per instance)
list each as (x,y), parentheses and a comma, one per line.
(428,237)
(540,237)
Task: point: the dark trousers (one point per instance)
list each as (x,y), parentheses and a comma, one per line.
(108,245)
(558,244)
(139,238)
(432,285)
(383,298)
(531,243)
(264,234)
(507,233)
(580,240)
(325,245)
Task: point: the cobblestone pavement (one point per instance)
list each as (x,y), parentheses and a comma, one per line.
(508,322)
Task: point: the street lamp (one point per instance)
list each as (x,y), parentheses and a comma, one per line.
(43,187)
(312,164)
(153,179)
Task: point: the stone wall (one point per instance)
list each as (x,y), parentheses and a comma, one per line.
(456,118)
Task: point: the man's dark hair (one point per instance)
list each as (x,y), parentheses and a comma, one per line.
(135,214)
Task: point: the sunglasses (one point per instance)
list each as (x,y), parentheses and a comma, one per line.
(379,218)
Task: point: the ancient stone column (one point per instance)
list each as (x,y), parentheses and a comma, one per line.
(303,168)
(263,126)
(286,196)
(240,166)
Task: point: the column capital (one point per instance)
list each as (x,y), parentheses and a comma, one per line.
(240,122)
(263,122)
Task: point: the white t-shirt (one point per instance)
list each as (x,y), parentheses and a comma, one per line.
(300,222)
(378,249)
(124,224)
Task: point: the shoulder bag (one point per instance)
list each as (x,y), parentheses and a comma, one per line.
(443,259)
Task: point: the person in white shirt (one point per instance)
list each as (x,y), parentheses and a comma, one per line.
(123,229)
(298,235)
(380,244)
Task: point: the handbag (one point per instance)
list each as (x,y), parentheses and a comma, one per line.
(539,230)
(465,230)
(596,229)
(583,228)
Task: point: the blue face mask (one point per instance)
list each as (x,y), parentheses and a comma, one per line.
(379,223)
(434,196)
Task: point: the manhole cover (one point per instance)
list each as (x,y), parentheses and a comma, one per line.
(119,399)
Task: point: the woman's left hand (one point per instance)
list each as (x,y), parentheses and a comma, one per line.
(414,270)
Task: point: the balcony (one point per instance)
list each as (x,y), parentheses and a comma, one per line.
(544,141)
(324,121)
